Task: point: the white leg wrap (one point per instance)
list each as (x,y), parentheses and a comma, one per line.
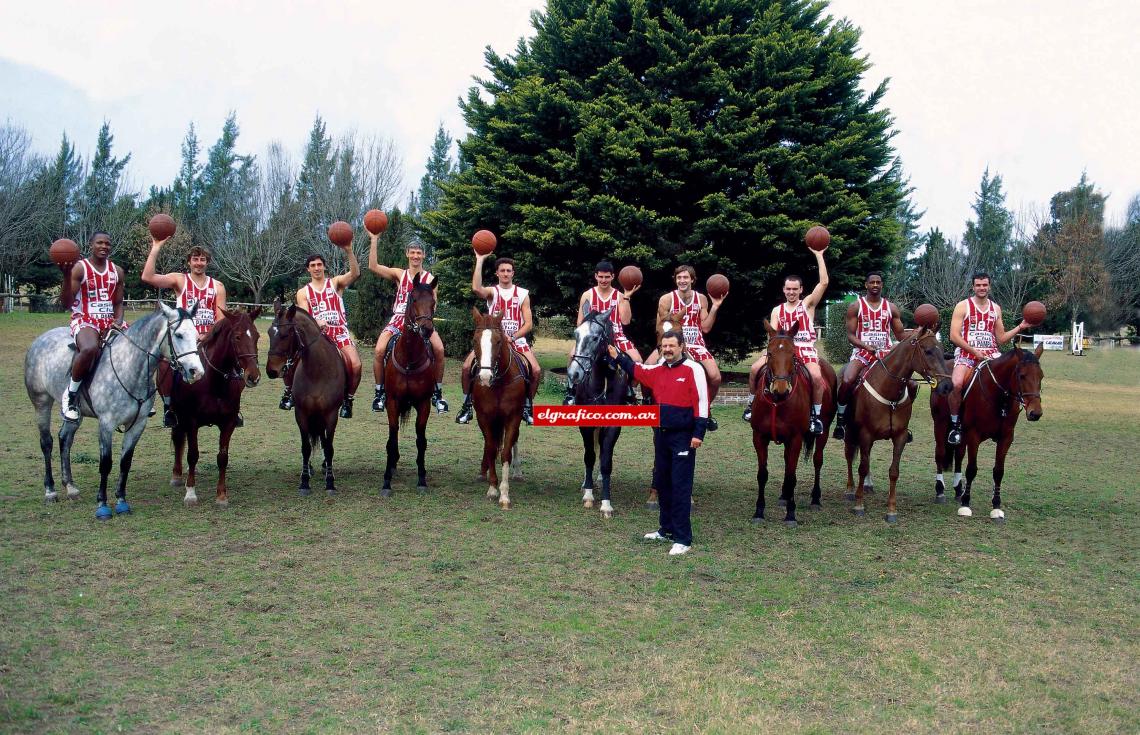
(191,497)
(965,511)
(957,478)
(606,507)
(997,513)
(938,477)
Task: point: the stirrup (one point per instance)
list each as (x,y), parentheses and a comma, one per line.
(746,416)
(169,419)
(711,424)
(954,438)
(286,400)
(439,401)
(816,425)
(466,412)
(346,408)
(527,416)
(379,400)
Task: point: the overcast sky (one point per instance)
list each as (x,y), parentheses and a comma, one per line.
(1038,90)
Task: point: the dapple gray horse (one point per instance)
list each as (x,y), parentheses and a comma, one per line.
(118,392)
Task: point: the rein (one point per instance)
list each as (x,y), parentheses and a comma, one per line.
(1018,397)
(409,325)
(774,399)
(588,363)
(151,364)
(497,371)
(902,383)
(239,372)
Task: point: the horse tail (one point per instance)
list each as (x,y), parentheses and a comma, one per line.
(405,411)
(808,448)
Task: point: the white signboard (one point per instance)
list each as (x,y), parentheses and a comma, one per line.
(1051,341)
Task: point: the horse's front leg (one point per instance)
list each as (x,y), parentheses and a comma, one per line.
(972,441)
(192,456)
(899,444)
(792,450)
(47,446)
(126,459)
(392,448)
(422,413)
(67,431)
(489,472)
(306,467)
(178,439)
(817,461)
(609,438)
(849,448)
(327,446)
(102,512)
(997,514)
(221,497)
(760,444)
(865,444)
(588,458)
(510,437)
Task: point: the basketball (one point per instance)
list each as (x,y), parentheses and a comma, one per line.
(1033,312)
(926,316)
(161,226)
(818,238)
(340,233)
(64,251)
(375,221)
(629,277)
(717,286)
(484,242)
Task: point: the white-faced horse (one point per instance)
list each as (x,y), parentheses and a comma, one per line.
(118,392)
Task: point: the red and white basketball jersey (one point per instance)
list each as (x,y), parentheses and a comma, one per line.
(93,300)
(798,319)
(404,290)
(206,298)
(690,318)
(978,326)
(597,303)
(328,305)
(873,326)
(507,302)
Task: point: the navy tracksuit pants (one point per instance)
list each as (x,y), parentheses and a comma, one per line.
(673,464)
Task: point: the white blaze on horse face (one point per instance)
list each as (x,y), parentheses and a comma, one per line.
(185,340)
(485,358)
(575,371)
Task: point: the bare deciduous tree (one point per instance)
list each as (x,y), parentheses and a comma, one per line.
(20,204)
(943,272)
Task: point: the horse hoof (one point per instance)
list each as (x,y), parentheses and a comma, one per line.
(222,502)
(421,489)
(815,506)
(782,503)
(757,519)
(997,515)
(940,499)
(52,497)
(305,491)
(965,511)
(588,504)
(651,505)
(103,513)
(190,501)
(331,491)
(385,492)
(859,512)
(892,518)
(122,507)
(790,524)
(607,514)
(849,496)
(481,478)
(507,505)
(177,482)
(72,492)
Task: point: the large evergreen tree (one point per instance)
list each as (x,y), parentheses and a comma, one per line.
(659,133)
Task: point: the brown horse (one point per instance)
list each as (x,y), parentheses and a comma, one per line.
(229,354)
(319,379)
(409,376)
(881,405)
(991,403)
(781,412)
(499,389)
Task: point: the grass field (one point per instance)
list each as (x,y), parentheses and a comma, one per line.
(443,613)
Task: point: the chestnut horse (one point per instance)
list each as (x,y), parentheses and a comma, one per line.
(319,380)
(991,402)
(499,389)
(229,354)
(409,376)
(881,406)
(781,412)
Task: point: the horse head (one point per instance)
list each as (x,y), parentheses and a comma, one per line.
(283,339)
(182,341)
(781,367)
(489,343)
(1026,383)
(591,338)
(925,356)
(421,307)
(242,340)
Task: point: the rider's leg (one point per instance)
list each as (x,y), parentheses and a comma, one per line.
(846,384)
(437,395)
(753,373)
(352,372)
(818,389)
(467,410)
(959,378)
(164,384)
(636,357)
(714,378)
(532,388)
(87,347)
(287,378)
(378,354)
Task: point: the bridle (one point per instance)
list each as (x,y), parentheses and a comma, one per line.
(588,362)
(770,377)
(900,381)
(291,358)
(1019,396)
(172,355)
(416,323)
(497,369)
(239,372)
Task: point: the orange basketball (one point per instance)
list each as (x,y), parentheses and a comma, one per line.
(818,238)
(484,242)
(375,221)
(926,316)
(629,277)
(1033,312)
(340,233)
(161,226)
(717,286)
(64,251)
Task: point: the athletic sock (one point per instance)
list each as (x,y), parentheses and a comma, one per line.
(817,408)
(73,386)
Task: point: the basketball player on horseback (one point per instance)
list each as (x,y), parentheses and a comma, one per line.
(323,298)
(94,288)
(698,315)
(799,313)
(602,297)
(512,302)
(403,278)
(190,288)
(976,329)
(871,320)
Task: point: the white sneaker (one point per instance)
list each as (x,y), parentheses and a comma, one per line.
(70,412)
(679,549)
(655,536)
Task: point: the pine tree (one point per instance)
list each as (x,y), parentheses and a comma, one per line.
(97,204)
(989,237)
(187,188)
(663,133)
(440,169)
(314,187)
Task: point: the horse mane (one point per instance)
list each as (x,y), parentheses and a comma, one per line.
(215,333)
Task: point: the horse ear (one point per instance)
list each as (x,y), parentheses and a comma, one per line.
(416,280)
(277,305)
(476,316)
(609,312)
(768,328)
(1039,350)
(255,312)
(166,310)
(291,311)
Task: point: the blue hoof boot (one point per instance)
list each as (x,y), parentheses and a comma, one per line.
(103,513)
(122,507)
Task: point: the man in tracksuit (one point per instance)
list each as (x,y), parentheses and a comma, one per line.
(680,387)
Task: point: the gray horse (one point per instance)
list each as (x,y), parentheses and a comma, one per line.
(118,392)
